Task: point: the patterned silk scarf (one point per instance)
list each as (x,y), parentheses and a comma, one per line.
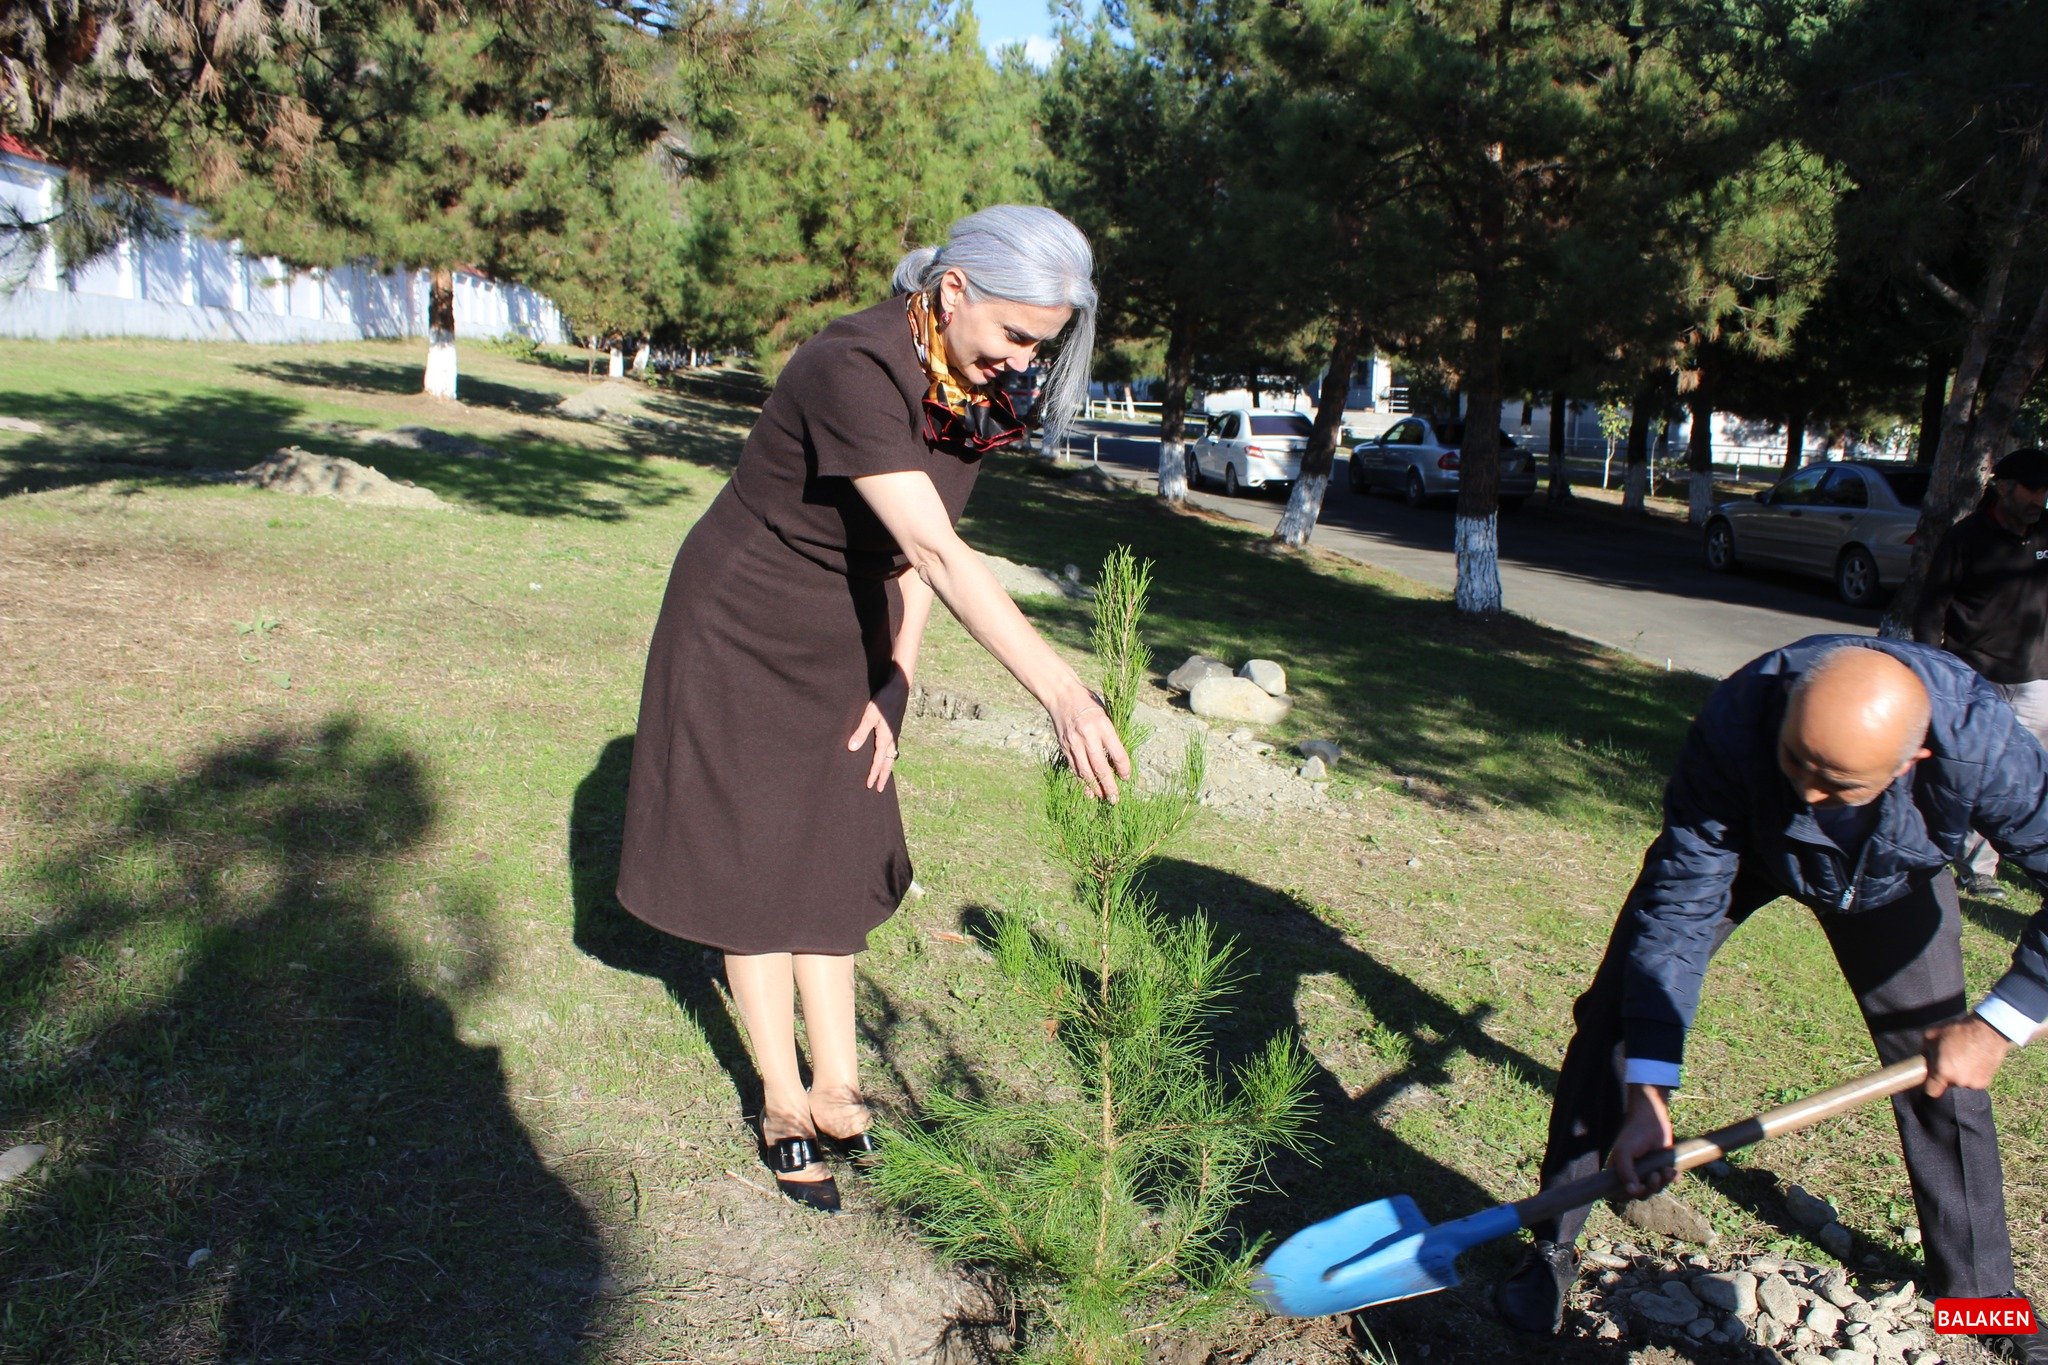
(958,417)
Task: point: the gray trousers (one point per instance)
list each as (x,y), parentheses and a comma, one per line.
(1904,961)
(2030,703)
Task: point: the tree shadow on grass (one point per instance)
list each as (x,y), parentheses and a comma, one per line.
(403,378)
(693,975)
(269,1140)
(1502,711)
(154,439)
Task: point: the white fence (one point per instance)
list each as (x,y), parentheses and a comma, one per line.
(189,286)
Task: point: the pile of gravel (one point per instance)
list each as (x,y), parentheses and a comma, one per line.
(1242,775)
(1798,1312)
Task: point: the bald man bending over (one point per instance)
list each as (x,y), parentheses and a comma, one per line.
(1846,773)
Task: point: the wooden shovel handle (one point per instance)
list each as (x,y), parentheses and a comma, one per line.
(1786,1118)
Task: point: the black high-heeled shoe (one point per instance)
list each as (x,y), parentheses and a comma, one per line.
(791,1155)
(858,1150)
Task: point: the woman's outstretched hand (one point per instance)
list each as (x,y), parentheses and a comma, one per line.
(879,718)
(1090,742)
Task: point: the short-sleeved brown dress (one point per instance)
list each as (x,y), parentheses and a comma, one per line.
(749,825)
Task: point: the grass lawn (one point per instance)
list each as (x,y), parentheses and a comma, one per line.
(312,983)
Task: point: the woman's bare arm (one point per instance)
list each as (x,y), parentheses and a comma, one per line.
(909,507)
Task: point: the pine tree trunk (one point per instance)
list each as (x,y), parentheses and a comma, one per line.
(1968,447)
(1635,482)
(1173,410)
(441,335)
(1932,399)
(1699,458)
(1969,438)
(1795,442)
(1476,542)
(1560,489)
(1305,503)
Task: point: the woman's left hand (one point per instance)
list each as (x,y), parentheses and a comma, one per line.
(876,720)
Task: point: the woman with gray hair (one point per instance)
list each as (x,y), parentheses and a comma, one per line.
(761,819)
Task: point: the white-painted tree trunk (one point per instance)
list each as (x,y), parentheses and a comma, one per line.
(1477,545)
(618,365)
(1304,508)
(441,364)
(1173,471)
(1699,498)
(641,356)
(1637,487)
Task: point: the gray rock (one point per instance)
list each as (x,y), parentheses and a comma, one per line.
(1315,770)
(1701,1328)
(1608,1330)
(1197,667)
(1897,1300)
(1809,1358)
(1678,1292)
(1237,699)
(1911,1236)
(1841,1355)
(1836,1239)
(17,1162)
(1923,1357)
(1834,1286)
(1600,1260)
(1824,1319)
(1808,1210)
(1267,674)
(1776,1297)
(1667,1216)
(1325,749)
(1767,1331)
(1662,1308)
(1859,1311)
(1730,1291)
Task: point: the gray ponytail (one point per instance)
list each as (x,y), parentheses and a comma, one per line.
(1024,254)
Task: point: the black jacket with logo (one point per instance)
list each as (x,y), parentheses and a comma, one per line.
(1986,599)
(1730,809)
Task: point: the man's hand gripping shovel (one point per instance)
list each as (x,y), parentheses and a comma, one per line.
(1386,1250)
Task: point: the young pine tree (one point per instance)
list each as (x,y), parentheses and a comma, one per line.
(1105,1199)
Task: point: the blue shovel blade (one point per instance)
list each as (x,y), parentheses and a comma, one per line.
(1375,1253)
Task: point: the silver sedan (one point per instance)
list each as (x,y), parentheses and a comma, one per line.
(1420,462)
(1851,521)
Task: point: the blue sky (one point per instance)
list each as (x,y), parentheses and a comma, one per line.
(1018,21)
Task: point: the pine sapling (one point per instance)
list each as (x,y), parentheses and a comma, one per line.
(1104,1194)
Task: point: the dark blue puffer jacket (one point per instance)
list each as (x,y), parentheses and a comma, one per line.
(1729,807)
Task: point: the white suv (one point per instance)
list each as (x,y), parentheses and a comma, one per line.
(1244,448)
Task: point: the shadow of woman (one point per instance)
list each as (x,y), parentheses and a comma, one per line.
(268,1140)
(604,929)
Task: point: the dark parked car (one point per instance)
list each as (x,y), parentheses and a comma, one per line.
(1851,521)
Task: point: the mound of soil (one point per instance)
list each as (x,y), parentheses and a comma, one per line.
(612,398)
(292,470)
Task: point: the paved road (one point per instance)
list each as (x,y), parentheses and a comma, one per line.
(1641,590)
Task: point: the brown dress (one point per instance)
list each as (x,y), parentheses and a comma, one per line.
(749,825)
